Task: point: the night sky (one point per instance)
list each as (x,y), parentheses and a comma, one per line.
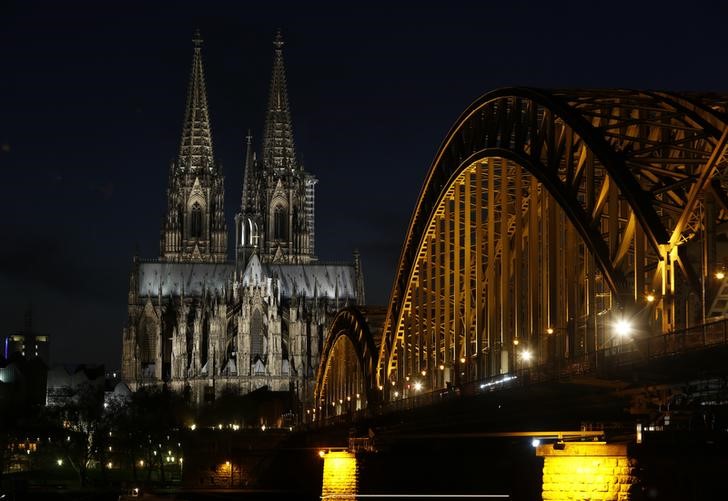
(92,98)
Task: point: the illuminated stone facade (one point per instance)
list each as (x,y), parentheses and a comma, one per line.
(586,471)
(205,325)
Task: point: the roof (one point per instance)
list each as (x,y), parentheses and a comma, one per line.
(305,280)
(188,278)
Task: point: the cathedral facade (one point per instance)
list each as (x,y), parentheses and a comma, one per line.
(204,324)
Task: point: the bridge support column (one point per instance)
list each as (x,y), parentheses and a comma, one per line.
(587,470)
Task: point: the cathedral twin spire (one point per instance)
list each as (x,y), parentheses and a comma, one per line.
(195,151)
(277,206)
(278,148)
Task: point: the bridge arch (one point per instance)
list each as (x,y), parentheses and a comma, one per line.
(345,379)
(570,206)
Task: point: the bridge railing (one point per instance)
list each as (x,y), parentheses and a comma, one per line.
(634,352)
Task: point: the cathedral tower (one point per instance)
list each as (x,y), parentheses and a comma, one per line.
(276,218)
(194,228)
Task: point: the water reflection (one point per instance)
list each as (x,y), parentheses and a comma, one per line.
(341,476)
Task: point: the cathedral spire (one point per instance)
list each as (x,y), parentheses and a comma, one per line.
(278,149)
(249,175)
(195,150)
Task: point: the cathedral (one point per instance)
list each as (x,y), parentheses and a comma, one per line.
(204,324)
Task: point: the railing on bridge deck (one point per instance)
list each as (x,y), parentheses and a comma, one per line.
(633,353)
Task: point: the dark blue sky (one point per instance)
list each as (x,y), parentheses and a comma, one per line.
(92,98)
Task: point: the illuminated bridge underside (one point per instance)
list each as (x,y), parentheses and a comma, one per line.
(346,377)
(546,217)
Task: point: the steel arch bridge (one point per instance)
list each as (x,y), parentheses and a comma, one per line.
(547,217)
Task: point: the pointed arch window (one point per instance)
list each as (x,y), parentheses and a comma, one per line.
(196,221)
(256,335)
(280,217)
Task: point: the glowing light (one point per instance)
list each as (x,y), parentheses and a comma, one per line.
(340,476)
(322,453)
(227,463)
(720,275)
(526,355)
(396,394)
(141,463)
(109,465)
(515,342)
(535,442)
(623,327)
(442,367)
(550,330)
(193,427)
(262,428)
(418,386)
(424,373)
(59,462)
(219,427)
(650,298)
(462,360)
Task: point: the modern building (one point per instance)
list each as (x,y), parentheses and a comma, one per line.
(27,342)
(204,324)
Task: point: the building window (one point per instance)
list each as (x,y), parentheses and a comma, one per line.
(256,335)
(279,223)
(196,221)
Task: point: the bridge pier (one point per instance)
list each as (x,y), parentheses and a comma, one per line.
(586,471)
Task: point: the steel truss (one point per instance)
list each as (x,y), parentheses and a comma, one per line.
(345,379)
(546,217)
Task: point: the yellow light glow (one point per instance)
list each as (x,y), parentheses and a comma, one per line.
(515,342)
(141,462)
(59,462)
(418,386)
(650,298)
(442,367)
(526,355)
(396,394)
(720,275)
(193,427)
(322,453)
(109,465)
(550,330)
(424,373)
(227,463)
(462,360)
(340,476)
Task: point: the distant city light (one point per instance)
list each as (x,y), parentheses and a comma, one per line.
(418,386)
(193,427)
(526,355)
(550,330)
(535,442)
(59,462)
(650,298)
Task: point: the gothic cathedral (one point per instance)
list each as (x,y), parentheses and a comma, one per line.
(203,324)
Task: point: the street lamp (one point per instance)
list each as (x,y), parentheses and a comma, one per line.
(623,327)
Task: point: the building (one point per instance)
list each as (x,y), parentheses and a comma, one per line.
(204,324)
(27,342)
